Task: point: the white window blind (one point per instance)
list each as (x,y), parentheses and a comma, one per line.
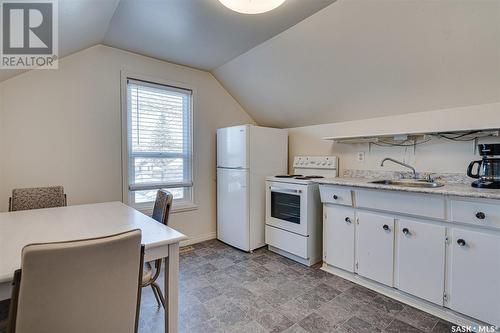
(159,141)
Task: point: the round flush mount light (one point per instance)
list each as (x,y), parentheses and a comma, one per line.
(252,6)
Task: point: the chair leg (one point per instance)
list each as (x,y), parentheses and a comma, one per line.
(156,294)
(154,285)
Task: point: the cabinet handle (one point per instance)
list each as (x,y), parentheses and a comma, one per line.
(406,231)
(386,227)
(335,197)
(461,242)
(348,220)
(481,215)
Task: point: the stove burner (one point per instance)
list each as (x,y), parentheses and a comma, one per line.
(287,176)
(307,177)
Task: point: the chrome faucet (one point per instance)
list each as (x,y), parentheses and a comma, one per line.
(400,163)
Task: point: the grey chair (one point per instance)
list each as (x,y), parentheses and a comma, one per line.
(72,287)
(161,212)
(37,197)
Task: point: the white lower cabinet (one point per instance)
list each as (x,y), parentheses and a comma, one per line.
(420,252)
(375,247)
(475,274)
(338,241)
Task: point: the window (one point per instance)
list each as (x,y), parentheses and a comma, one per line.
(159,139)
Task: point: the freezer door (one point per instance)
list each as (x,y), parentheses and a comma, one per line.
(232,147)
(232,208)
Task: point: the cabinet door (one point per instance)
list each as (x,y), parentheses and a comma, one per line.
(375,247)
(420,259)
(475,272)
(338,237)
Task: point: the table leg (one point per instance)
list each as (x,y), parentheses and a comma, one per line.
(172,289)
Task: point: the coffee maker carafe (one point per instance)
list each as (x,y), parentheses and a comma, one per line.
(488,169)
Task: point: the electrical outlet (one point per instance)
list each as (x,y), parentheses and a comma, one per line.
(361,156)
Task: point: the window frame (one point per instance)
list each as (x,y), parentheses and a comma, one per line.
(147,207)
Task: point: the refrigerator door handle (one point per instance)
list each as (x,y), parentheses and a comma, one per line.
(284,190)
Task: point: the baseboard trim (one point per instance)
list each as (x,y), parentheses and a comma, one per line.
(199,238)
(435,310)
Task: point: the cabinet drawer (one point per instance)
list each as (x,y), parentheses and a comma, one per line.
(477,213)
(287,241)
(404,203)
(336,195)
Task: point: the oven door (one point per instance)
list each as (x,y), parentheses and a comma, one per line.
(286,207)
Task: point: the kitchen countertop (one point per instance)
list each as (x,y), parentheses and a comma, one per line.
(461,190)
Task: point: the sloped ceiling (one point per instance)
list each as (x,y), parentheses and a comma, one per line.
(198,33)
(310,61)
(360,59)
(82,23)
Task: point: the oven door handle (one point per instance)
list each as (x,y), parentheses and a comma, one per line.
(284,190)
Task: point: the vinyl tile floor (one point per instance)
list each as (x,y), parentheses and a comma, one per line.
(226,290)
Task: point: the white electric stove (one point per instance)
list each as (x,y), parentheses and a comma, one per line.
(293,209)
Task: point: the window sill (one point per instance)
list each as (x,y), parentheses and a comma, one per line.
(179,207)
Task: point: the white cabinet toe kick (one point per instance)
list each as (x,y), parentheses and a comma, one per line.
(437,253)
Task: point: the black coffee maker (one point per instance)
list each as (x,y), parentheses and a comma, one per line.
(488,169)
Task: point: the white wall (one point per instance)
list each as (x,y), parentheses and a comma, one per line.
(438,155)
(358,59)
(1,142)
(63,127)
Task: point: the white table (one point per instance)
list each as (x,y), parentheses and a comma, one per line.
(17,229)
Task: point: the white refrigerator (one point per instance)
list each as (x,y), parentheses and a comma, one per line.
(246,155)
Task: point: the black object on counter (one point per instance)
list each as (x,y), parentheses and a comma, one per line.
(488,168)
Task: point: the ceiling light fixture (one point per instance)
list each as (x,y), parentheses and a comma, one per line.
(252,6)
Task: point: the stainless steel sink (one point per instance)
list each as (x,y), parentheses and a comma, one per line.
(409,183)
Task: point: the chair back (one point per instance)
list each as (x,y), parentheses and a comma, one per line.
(80,286)
(163,203)
(37,197)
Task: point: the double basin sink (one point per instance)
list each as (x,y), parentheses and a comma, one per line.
(409,183)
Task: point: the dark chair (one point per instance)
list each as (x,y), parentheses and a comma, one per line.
(37,197)
(161,212)
(71,287)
